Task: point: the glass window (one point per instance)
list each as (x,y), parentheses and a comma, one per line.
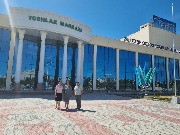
(145,60)
(15,57)
(6,35)
(61,52)
(4,54)
(160,72)
(49,65)
(29,56)
(72,57)
(71,62)
(3,69)
(88,66)
(1,34)
(106,68)
(126,70)
(171,72)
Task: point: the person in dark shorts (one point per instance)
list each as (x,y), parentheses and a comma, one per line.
(58,95)
(67,92)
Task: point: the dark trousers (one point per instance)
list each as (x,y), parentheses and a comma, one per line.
(78,101)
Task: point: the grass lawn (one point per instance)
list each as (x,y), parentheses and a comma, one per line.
(160,98)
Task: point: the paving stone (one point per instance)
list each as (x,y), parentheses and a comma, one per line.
(102,114)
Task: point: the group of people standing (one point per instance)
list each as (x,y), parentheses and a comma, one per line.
(64,92)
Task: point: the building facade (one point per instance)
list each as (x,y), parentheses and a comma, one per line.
(39,48)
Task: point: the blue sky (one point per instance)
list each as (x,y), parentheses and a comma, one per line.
(108,18)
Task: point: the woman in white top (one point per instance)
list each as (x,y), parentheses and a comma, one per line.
(58,95)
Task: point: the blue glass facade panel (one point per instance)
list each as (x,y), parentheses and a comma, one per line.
(106,68)
(100,66)
(49,66)
(72,63)
(29,56)
(171,71)
(145,60)
(126,70)
(50,61)
(6,35)
(4,52)
(69,62)
(160,73)
(61,52)
(88,66)
(72,54)
(1,33)
(15,58)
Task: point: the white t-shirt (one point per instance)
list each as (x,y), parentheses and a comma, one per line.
(77,90)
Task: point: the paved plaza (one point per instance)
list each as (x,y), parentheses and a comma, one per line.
(101,114)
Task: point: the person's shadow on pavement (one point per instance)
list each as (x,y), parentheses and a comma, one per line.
(74,110)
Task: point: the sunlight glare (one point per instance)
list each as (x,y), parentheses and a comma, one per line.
(9,13)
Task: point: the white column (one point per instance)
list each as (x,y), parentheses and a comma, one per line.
(19,56)
(136,62)
(117,69)
(167,71)
(42,54)
(82,65)
(79,61)
(94,67)
(153,81)
(64,69)
(10,61)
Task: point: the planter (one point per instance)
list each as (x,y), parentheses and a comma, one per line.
(175,100)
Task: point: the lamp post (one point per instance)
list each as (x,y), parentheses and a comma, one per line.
(173,53)
(175,99)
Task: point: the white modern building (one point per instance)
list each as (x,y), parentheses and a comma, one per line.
(61,48)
